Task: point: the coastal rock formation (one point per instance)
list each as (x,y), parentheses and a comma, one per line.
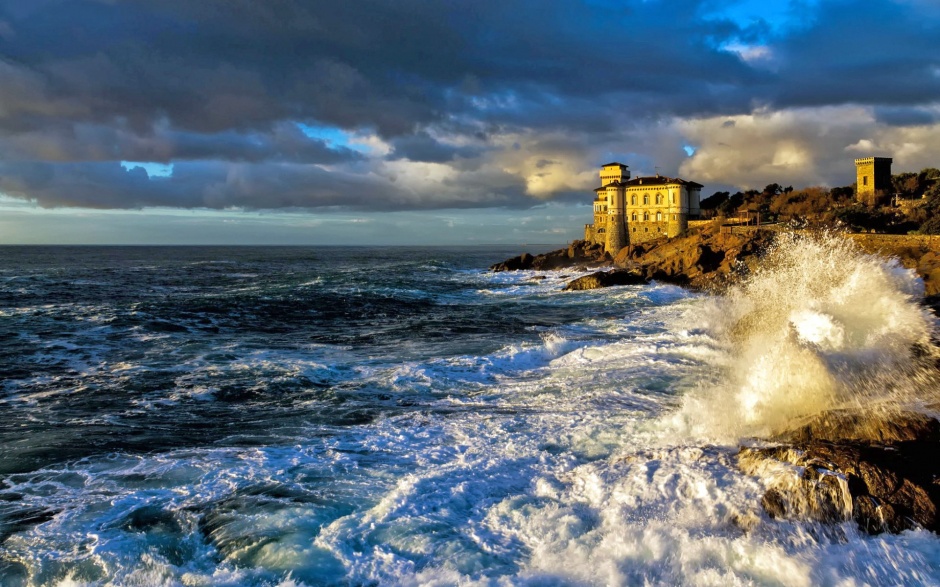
(700,259)
(878,469)
(578,254)
(707,258)
(607,279)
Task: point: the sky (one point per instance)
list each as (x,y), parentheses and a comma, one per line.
(433,122)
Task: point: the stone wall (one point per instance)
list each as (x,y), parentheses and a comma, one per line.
(875,243)
(641,232)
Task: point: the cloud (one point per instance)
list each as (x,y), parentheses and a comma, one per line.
(491,103)
(802,146)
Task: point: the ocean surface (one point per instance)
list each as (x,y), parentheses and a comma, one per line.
(400,416)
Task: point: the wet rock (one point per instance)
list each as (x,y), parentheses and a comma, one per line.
(878,469)
(577,254)
(607,279)
(523,261)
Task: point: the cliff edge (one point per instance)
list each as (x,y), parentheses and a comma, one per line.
(708,258)
(700,259)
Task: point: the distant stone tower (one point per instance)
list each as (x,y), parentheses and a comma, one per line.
(613,178)
(873,175)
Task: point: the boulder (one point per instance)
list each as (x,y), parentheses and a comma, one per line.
(578,253)
(523,261)
(878,469)
(607,279)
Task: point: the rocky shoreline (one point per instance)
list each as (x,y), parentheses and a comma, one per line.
(878,469)
(702,259)
(710,260)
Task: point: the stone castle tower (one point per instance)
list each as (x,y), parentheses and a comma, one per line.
(629,211)
(613,178)
(873,179)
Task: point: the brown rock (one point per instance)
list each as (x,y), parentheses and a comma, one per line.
(606,279)
(578,253)
(702,258)
(523,261)
(882,468)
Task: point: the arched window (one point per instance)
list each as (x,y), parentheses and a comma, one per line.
(646,217)
(659,198)
(659,217)
(633,200)
(646,199)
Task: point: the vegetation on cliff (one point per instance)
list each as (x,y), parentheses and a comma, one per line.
(912,205)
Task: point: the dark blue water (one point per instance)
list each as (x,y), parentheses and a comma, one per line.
(183,321)
(372,416)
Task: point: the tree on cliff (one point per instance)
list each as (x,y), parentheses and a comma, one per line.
(813,205)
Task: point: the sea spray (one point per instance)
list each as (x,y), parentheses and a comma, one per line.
(819,325)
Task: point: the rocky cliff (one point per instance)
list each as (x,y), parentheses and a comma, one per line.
(700,259)
(707,258)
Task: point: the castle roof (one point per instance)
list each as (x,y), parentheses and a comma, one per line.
(613,164)
(662,180)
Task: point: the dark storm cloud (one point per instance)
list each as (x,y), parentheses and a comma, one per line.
(901,116)
(423,147)
(217,185)
(216,86)
(100,142)
(218,64)
(876,53)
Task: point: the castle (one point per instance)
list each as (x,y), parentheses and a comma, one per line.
(630,211)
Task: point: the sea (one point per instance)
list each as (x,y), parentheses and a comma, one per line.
(304,416)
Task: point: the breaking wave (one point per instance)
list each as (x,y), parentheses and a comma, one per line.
(820,325)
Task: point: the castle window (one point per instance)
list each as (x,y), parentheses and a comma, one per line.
(633,217)
(646,230)
(673,198)
(633,200)
(646,217)
(634,229)
(864,180)
(659,217)
(659,198)
(675,217)
(646,199)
